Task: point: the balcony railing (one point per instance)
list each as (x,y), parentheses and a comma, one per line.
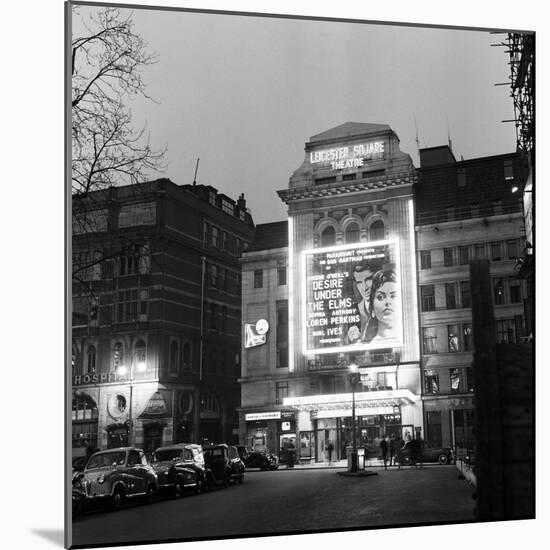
(467,212)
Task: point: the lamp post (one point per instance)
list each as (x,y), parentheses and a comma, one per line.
(122,371)
(353,377)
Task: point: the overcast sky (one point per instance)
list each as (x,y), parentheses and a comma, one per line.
(244,93)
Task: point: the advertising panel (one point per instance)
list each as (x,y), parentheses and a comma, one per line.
(352,298)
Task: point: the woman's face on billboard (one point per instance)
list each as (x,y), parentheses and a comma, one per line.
(386,302)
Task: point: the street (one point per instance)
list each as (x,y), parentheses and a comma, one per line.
(287,501)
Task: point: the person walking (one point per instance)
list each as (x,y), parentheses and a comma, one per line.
(330,450)
(393,451)
(384,449)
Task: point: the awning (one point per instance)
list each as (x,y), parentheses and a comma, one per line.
(370,402)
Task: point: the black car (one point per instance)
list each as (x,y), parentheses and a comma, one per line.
(179,467)
(258,459)
(427,453)
(223,464)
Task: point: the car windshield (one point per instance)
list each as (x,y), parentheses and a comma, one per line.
(166,454)
(106,459)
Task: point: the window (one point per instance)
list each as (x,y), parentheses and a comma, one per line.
(425,259)
(450,213)
(508,170)
(455,380)
(452,338)
(281,391)
(137,214)
(506,331)
(349,177)
(213,316)
(467,337)
(186,355)
(174,356)
(450,295)
(91,360)
(282,334)
(515,291)
(461,177)
(429,340)
(258,278)
(431,381)
(479,251)
(281,275)
(377,231)
(498,292)
(227,207)
(328,236)
(427,294)
(447,257)
(463,254)
(141,352)
(465,296)
(118,356)
(497,207)
(214,236)
(512,247)
(133,259)
(352,233)
(223,325)
(223,278)
(132,305)
(495,252)
(474,209)
(322,181)
(224,240)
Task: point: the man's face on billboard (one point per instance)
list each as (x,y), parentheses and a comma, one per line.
(363,281)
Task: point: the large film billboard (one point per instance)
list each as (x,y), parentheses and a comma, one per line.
(352,298)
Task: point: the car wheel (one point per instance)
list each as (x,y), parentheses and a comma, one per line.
(199,486)
(443,459)
(406,460)
(241,479)
(178,488)
(117,500)
(150,493)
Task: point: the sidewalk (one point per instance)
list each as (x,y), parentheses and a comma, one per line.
(370,463)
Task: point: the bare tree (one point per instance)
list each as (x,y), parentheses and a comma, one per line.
(107,63)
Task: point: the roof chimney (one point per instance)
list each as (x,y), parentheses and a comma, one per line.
(241,203)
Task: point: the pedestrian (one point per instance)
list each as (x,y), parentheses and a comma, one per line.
(384,449)
(330,449)
(393,451)
(414,446)
(291,455)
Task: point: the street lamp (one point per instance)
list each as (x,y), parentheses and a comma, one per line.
(354,376)
(141,366)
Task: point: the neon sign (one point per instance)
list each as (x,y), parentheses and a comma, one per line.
(351,298)
(354,156)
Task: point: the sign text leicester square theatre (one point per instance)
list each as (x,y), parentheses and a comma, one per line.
(354,156)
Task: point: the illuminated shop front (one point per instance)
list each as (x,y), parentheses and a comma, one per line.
(349,296)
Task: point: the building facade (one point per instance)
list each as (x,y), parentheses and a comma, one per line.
(156,311)
(350,204)
(465,210)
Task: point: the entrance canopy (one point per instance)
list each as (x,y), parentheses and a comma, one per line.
(366,403)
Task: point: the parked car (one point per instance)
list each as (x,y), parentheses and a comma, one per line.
(428,453)
(223,464)
(78,463)
(258,459)
(179,467)
(470,458)
(115,475)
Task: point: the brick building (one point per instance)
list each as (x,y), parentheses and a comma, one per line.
(156,314)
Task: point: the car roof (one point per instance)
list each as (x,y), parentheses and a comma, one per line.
(179,446)
(118,449)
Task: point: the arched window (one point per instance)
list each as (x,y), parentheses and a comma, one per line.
(91,360)
(352,233)
(118,355)
(141,351)
(328,236)
(174,356)
(377,231)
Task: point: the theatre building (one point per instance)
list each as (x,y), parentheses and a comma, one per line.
(465,210)
(307,321)
(156,315)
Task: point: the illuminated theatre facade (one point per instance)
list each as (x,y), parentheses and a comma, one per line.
(350,204)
